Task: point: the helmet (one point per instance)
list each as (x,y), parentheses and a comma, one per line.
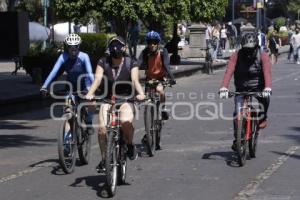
(249,40)
(116,46)
(72,39)
(152,35)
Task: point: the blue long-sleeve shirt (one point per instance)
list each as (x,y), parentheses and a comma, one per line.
(74,68)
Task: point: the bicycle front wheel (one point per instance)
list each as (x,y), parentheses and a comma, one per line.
(122,163)
(150,129)
(241,141)
(254,137)
(66,141)
(111,165)
(84,142)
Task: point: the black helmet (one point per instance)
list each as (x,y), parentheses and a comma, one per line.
(249,40)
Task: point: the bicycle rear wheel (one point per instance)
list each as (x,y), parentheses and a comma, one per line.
(66,140)
(150,129)
(254,137)
(84,141)
(241,141)
(111,165)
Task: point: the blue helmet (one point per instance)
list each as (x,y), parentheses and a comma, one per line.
(152,35)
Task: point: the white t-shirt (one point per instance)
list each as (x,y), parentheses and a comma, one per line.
(223,33)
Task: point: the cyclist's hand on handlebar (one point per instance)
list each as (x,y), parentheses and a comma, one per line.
(140,97)
(44,92)
(89,96)
(224,93)
(267,92)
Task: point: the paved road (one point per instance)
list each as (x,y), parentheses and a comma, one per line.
(196,161)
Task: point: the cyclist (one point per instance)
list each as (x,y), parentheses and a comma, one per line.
(76,64)
(117,67)
(155,61)
(251,69)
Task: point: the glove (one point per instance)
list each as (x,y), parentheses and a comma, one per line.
(224,93)
(267,92)
(44,92)
(172,82)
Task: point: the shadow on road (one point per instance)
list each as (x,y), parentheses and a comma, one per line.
(7,125)
(97,183)
(228,156)
(19,140)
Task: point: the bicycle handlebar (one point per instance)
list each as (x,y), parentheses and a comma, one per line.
(257,94)
(153,82)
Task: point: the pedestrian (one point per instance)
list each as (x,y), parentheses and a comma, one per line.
(262,40)
(215,41)
(133,37)
(274,44)
(296,46)
(232,35)
(291,49)
(208,35)
(76,26)
(223,36)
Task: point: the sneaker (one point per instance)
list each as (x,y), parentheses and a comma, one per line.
(100,168)
(233,146)
(263,124)
(132,152)
(164,114)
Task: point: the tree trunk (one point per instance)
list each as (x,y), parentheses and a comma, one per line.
(175,58)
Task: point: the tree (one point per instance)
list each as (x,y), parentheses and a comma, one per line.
(207,10)
(294,7)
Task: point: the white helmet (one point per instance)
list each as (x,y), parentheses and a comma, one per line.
(72,39)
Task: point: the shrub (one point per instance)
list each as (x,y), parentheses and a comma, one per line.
(94,44)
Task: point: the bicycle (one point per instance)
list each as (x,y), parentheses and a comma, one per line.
(152,118)
(247,126)
(73,134)
(116,153)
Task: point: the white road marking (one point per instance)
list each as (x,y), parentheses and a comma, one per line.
(251,188)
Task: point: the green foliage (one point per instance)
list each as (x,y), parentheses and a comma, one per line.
(281,21)
(94,44)
(293,6)
(33,8)
(207,10)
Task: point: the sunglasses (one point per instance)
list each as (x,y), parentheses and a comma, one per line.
(73,46)
(155,42)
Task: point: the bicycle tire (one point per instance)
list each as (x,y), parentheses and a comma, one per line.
(67,163)
(84,143)
(253,139)
(111,165)
(150,129)
(122,162)
(241,142)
